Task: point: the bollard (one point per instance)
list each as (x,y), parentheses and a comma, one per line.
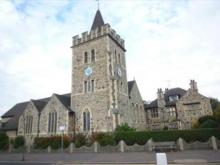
(150,145)
(71,147)
(95,147)
(213,143)
(49,149)
(122,146)
(180,142)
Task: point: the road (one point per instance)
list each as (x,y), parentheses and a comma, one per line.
(106,158)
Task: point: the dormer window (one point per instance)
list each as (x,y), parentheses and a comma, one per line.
(173,98)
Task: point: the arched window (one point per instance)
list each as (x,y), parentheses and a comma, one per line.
(52,122)
(116,57)
(85,57)
(119,58)
(92,55)
(28,125)
(86,121)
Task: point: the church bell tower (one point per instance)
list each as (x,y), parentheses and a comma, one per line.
(99,80)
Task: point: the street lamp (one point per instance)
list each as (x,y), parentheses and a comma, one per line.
(62,129)
(24,129)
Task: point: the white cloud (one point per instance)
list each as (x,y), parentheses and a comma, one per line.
(168,43)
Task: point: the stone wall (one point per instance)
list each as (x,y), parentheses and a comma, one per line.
(179,145)
(109,100)
(137,108)
(53,105)
(30,110)
(96,102)
(118,88)
(191,107)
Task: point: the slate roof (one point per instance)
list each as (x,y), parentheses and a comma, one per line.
(98,20)
(39,104)
(17,109)
(130,86)
(170,92)
(15,112)
(65,99)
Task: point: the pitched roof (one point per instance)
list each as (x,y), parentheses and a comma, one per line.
(11,124)
(171,92)
(130,86)
(153,104)
(98,20)
(14,114)
(39,104)
(16,111)
(65,99)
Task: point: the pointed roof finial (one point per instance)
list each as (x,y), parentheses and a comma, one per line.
(98,3)
(98,20)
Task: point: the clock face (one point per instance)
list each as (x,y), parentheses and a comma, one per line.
(119,72)
(88,71)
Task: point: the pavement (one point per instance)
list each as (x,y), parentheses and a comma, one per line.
(184,157)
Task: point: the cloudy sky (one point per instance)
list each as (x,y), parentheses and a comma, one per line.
(168,43)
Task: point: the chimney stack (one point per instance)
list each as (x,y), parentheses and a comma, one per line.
(160,98)
(193,85)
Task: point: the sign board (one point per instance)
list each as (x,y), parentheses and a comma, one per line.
(62,127)
(161,159)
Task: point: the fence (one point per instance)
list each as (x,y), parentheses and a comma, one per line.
(180,145)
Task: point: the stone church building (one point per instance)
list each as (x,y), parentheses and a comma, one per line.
(101,98)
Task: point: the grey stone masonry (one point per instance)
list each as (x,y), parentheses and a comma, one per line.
(214,143)
(103,92)
(192,106)
(105,30)
(180,144)
(137,108)
(54,105)
(24,121)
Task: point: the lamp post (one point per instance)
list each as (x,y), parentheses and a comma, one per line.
(23,156)
(62,128)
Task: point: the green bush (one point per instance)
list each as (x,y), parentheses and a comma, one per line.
(106,139)
(209,124)
(124,128)
(18,142)
(80,140)
(4,141)
(41,142)
(171,135)
(205,118)
(54,142)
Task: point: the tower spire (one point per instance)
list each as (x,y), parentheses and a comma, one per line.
(98,20)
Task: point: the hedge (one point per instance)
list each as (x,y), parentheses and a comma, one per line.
(3,141)
(53,141)
(171,135)
(130,137)
(103,139)
(18,142)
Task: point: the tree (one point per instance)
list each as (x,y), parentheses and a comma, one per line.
(209,124)
(216,108)
(205,118)
(3,140)
(214,103)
